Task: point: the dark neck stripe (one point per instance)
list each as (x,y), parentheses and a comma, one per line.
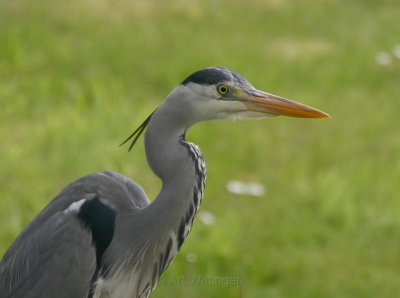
(198,189)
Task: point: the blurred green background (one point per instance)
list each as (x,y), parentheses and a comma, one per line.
(77,76)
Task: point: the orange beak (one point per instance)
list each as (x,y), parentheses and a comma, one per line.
(259,101)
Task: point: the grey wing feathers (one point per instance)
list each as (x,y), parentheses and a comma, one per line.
(135,191)
(57,260)
(55,256)
(118,191)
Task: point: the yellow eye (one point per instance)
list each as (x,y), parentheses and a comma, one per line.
(223,89)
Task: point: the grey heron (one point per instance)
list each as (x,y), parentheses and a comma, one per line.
(101,236)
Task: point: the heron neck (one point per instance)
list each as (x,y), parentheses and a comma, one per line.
(180,166)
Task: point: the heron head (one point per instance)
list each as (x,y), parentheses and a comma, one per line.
(220,93)
(216,92)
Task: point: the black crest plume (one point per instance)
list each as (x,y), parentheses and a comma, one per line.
(136,134)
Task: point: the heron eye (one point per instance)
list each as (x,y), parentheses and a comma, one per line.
(223,89)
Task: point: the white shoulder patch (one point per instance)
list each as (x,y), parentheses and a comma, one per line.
(75,206)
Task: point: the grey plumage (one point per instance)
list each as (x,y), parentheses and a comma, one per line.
(101,236)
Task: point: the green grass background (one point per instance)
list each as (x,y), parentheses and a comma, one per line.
(77,76)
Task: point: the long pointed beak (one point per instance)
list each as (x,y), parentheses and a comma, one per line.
(259,101)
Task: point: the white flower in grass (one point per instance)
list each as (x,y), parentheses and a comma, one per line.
(243,188)
(191,258)
(384,58)
(207,218)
